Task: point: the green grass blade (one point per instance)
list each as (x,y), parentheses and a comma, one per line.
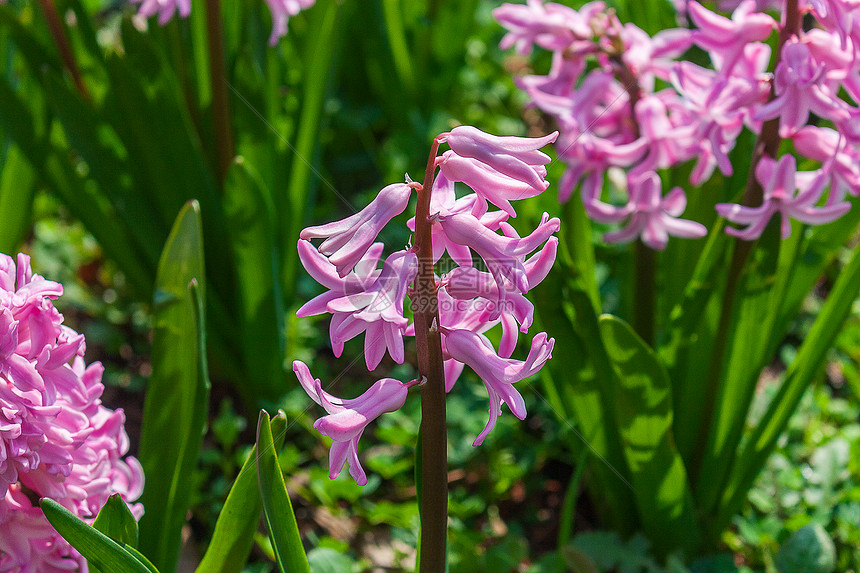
(756,304)
(283,529)
(98,549)
(17,188)
(250,217)
(177,397)
(810,359)
(644,407)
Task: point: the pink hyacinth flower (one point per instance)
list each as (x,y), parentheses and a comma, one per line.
(724,38)
(655,217)
(551,26)
(498,374)
(444,202)
(517,157)
(500,169)
(318,266)
(466,283)
(282,11)
(346,241)
(839,159)
(800,86)
(164,8)
(781,182)
(378,309)
(503,255)
(347,419)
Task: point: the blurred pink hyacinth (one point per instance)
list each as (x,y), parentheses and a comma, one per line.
(363,298)
(282,11)
(164,8)
(612,115)
(56,438)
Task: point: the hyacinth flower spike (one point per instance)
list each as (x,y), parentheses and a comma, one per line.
(347,240)
(347,419)
(498,374)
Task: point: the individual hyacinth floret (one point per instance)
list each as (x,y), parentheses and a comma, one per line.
(364,298)
(613,115)
(56,438)
(282,11)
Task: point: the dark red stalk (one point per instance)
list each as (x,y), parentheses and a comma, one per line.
(220,96)
(58,33)
(434,438)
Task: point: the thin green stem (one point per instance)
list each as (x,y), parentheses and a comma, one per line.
(645,259)
(767,144)
(434,438)
(61,40)
(224,150)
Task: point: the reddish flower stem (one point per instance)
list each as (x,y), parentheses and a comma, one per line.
(58,33)
(434,438)
(224,150)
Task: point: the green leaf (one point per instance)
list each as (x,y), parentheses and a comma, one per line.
(579,384)
(237,523)
(283,529)
(644,408)
(17,188)
(758,297)
(98,549)
(116,521)
(178,394)
(250,216)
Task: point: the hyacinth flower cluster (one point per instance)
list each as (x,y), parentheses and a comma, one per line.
(282,11)
(493,267)
(57,440)
(626,103)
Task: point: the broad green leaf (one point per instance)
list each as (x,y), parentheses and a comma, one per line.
(250,217)
(578,382)
(237,523)
(116,521)
(17,188)
(644,408)
(98,549)
(283,529)
(807,363)
(178,394)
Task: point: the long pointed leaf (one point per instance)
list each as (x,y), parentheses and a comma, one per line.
(95,546)
(237,523)
(177,397)
(807,363)
(283,529)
